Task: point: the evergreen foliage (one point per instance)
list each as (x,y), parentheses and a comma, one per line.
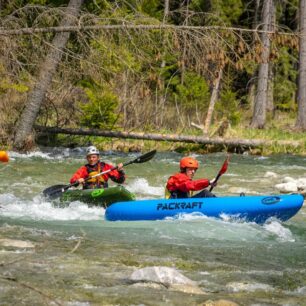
(100,110)
(139,78)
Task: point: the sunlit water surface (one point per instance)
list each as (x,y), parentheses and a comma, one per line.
(78,258)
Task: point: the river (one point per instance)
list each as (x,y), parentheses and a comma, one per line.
(74,257)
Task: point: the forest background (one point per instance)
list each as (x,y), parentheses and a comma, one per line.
(222,68)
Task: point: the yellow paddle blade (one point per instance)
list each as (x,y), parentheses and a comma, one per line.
(4,157)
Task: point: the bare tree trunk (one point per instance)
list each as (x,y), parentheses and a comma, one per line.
(160,104)
(212,102)
(256,17)
(185,45)
(251,94)
(301,119)
(23,138)
(169,137)
(252,87)
(259,112)
(125,97)
(270,96)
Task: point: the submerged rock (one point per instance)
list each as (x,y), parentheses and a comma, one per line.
(187,289)
(250,287)
(16,243)
(219,303)
(270,174)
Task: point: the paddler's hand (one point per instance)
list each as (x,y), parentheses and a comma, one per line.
(213,183)
(120,167)
(81,181)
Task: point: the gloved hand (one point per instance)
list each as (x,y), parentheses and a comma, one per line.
(213,183)
(120,167)
(81,180)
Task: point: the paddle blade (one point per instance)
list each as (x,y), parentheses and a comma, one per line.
(222,171)
(4,157)
(145,157)
(224,166)
(55,191)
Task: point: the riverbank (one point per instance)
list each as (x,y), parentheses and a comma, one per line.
(280,137)
(239,140)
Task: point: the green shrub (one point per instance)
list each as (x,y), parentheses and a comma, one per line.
(193,94)
(228,106)
(100,110)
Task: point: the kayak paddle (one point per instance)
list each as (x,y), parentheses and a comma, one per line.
(222,171)
(55,191)
(4,157)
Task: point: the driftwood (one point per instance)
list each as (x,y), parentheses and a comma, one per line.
(247,143)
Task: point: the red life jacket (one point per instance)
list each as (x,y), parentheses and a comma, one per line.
(180,185)
(100,181)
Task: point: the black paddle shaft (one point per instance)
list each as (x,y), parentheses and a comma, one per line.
(56,190)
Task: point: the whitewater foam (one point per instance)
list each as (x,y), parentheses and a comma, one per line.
(283,234)
(40,209)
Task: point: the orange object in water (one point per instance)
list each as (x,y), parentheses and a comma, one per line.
(4,157)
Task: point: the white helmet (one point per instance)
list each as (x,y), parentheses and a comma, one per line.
(92,150)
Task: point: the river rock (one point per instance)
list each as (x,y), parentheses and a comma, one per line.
(187,289)
(219,303)
(16,243)
(270,174)
(246,286)
(288,179)
(287,187)
(301,183)
(165,275)
(291,185)
(166,278)
(174,287)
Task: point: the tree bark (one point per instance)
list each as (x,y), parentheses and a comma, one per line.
(270,89)
(167,137)
(259,112)
(212,102)
(23,138)
(301,118)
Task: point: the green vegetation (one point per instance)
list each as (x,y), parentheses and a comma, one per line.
(152,80)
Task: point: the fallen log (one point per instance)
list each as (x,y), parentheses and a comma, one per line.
(247,143)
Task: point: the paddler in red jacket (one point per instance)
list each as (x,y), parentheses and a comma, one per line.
(94,167)
(180,185)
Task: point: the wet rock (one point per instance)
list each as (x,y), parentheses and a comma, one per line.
(291,185)
(149,285)
(166,278)
(219,303)
(164,275)
(270,174)
(250,287)
(288,179)
(301,184)
(16,243)
(186,289)
(287,187)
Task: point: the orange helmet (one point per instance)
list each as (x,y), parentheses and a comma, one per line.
(189,162)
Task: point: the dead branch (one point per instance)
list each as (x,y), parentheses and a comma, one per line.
(168,137)
(81,28)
